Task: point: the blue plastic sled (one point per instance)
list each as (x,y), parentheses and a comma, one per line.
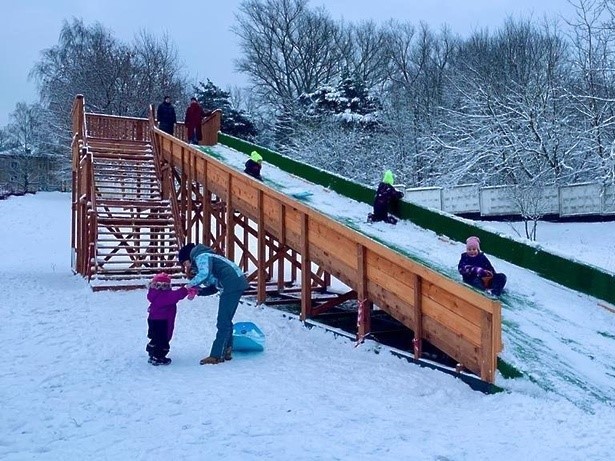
(247,337)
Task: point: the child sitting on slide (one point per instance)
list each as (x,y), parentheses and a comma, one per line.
(477,270)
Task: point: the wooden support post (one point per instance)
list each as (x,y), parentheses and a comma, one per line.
(230,220)
(195,223)
(306,270)
(261,293)
(487,357)
(365,306)
(182,195)
(207,211)
(417,342)
(189,204)
(293,269)
(282,250)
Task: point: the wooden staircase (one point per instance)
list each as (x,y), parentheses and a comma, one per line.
(135,234)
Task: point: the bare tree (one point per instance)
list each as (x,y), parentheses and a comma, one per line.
(34,158)
(365,53)
(592,87)
(418,71)
(114,77)
(507,118)
(287,48)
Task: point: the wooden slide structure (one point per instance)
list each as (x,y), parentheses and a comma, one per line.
(139,193)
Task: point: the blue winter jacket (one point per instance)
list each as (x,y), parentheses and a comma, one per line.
(215,270)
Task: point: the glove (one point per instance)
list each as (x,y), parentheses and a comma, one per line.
(192,292)
(480,272)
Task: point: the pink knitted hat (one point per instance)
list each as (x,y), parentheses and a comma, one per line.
(161,278)
(473,241)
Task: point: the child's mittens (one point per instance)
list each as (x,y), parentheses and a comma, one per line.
(192,292)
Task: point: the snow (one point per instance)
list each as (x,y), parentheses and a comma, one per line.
(75,383)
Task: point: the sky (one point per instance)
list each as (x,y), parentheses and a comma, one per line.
(76,384)
(201,30)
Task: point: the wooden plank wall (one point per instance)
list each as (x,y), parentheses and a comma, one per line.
(461,322)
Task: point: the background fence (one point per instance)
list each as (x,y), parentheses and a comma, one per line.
(575,200)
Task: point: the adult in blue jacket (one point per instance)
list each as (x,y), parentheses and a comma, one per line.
(213,272)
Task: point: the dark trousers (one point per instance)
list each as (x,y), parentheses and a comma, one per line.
(497,283)
(158,334)
(167,128)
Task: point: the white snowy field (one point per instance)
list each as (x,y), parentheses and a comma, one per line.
(75,383)
(590,243)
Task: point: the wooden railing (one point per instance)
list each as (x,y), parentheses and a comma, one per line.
(118,128)
(210,126)
(461,322)
(82,229)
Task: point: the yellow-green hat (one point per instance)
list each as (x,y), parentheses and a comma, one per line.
(256,157)
(388,177)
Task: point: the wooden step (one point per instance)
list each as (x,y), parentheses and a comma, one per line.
(135,203)
(143,222)
(134,271)
(128,235)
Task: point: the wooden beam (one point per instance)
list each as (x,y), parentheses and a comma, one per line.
(306,270)
(417,341)
(365,305)
(262,287)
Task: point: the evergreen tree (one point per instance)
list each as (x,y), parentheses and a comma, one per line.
(234,122)
(348,101)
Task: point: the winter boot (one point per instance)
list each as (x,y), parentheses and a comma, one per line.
(211,361)
(228,353)
(160,361)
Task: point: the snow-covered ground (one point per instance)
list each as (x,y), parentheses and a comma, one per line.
(75,383)
(590,243)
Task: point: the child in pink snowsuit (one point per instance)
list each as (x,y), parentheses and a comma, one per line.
(161,319)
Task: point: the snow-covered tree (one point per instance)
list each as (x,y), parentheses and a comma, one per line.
(234,121)
(348,102)
(115,78)
(32,156)
(507,121)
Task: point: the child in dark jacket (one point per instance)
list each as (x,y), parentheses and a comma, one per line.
(386,195)
(253,165)
(161,319)
(477,270)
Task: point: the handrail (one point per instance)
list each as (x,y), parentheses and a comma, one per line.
(453,317)
(572,274)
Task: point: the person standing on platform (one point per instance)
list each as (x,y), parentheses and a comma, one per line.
(193,119)
(166,116)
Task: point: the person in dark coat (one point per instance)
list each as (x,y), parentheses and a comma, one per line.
(166,116)
(161,318)
(386,196)
(253,165)
(476,269)
(215,273)
(193,119)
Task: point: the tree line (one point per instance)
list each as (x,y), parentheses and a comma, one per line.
(530,103)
